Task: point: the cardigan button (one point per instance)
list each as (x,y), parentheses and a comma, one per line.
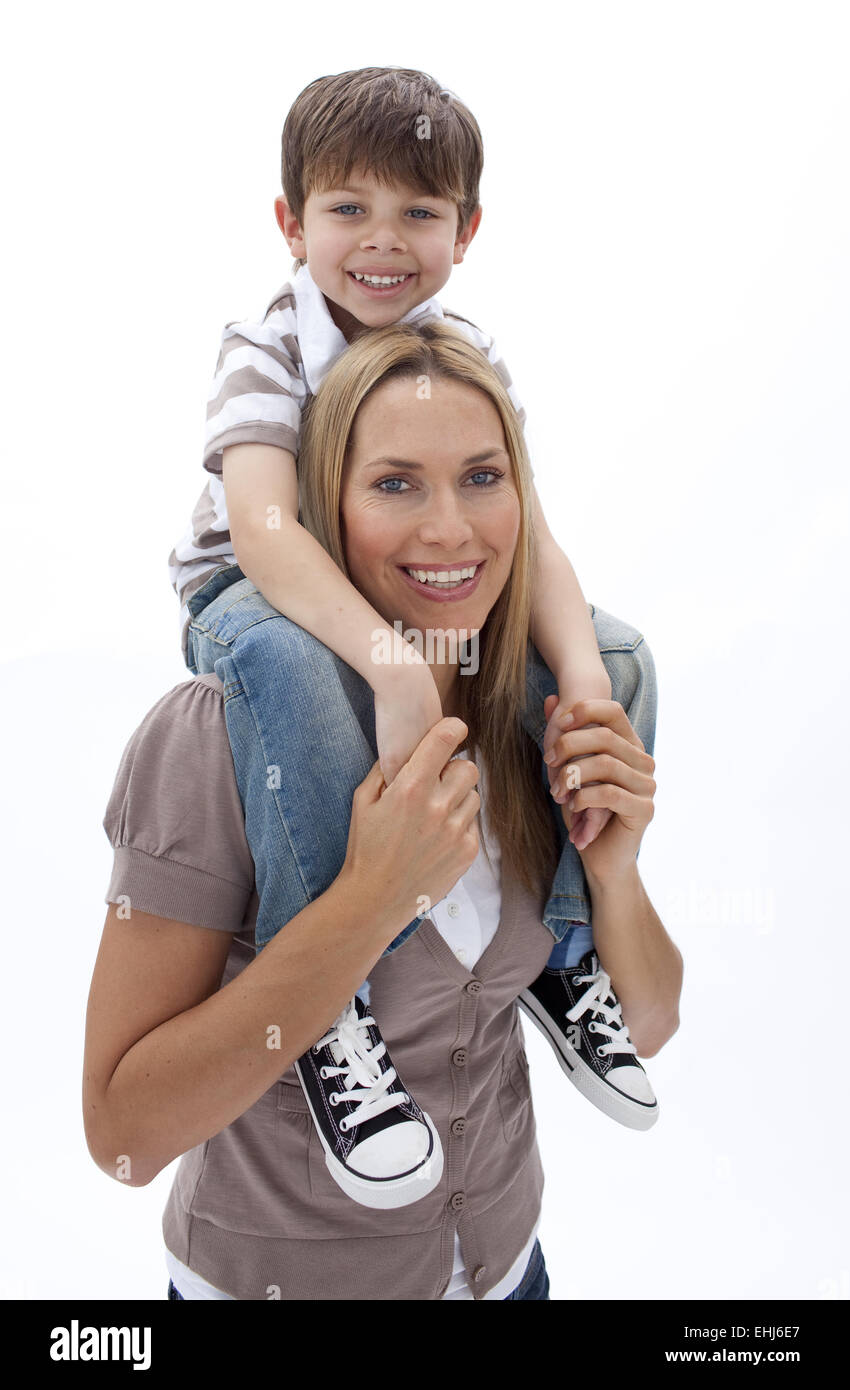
(458,1201)
(478,1273)
(459,1057)
(459,1126)
(474,987)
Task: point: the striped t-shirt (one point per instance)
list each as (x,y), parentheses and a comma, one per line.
(265,375)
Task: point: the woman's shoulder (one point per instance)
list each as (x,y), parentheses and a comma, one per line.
(186,724)
(178,764)
(187,721)
(174,816)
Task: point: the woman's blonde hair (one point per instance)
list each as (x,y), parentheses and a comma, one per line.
(492,701)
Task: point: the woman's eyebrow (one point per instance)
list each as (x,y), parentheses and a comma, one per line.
(388,462)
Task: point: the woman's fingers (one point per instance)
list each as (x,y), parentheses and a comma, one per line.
(634,811)
(604,767)
(606,712)
(579,745)
(459,777)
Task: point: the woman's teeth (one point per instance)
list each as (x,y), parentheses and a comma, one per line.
(380,279)
(442,579)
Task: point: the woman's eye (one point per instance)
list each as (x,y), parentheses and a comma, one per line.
(482,473)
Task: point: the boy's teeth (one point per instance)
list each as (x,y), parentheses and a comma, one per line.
(379,279)
(442,578)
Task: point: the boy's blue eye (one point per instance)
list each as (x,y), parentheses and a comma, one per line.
(355,206)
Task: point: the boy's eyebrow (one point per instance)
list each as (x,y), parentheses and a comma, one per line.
(358,188)
(388,462)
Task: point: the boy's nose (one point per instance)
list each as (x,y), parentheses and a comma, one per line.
(384,240)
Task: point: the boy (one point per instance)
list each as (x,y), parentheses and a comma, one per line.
(380,172)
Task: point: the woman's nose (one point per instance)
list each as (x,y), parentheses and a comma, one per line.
(445,524)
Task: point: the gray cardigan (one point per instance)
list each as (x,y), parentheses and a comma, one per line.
(254,1210)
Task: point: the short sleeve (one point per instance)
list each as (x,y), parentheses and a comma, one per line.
(257,394)
(174,817)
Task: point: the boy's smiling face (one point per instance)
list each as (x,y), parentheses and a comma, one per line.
(376,230)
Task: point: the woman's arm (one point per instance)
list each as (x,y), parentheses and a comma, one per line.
(598,743)
(635,951)
(171,1059)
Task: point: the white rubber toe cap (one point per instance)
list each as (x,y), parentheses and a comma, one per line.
(634,1082)
(392,1152)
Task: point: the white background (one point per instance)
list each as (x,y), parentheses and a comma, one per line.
(663,260)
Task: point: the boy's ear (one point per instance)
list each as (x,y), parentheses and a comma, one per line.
(466,236)
(289,225)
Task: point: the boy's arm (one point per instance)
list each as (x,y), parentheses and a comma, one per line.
(561,627)
(296,574)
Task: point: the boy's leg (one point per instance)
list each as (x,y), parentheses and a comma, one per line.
(301,725)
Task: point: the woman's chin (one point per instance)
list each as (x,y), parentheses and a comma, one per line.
(459,627)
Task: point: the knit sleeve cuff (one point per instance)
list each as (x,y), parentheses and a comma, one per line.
(165,888)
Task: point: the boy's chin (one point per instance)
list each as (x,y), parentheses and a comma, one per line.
(350,322)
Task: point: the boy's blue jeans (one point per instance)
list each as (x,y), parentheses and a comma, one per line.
(301,724)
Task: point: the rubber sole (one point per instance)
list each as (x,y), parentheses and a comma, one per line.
(634,1114)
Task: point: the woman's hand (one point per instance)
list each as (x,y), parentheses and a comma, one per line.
(408,844)
(588,823)
(622,771)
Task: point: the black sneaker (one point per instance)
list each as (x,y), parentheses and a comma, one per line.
(380,1148)
(578,1011)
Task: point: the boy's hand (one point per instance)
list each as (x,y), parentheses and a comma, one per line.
(564,777)
(404,712)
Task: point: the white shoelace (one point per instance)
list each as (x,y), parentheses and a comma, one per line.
(364,1081)
(594,998)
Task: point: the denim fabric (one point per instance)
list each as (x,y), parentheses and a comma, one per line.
(534,1283)
(301,724)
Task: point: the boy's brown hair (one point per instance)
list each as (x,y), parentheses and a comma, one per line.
(396,123)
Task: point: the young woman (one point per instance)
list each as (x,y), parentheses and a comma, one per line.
(192,1033)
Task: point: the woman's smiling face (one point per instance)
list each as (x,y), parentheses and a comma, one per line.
(428,485)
